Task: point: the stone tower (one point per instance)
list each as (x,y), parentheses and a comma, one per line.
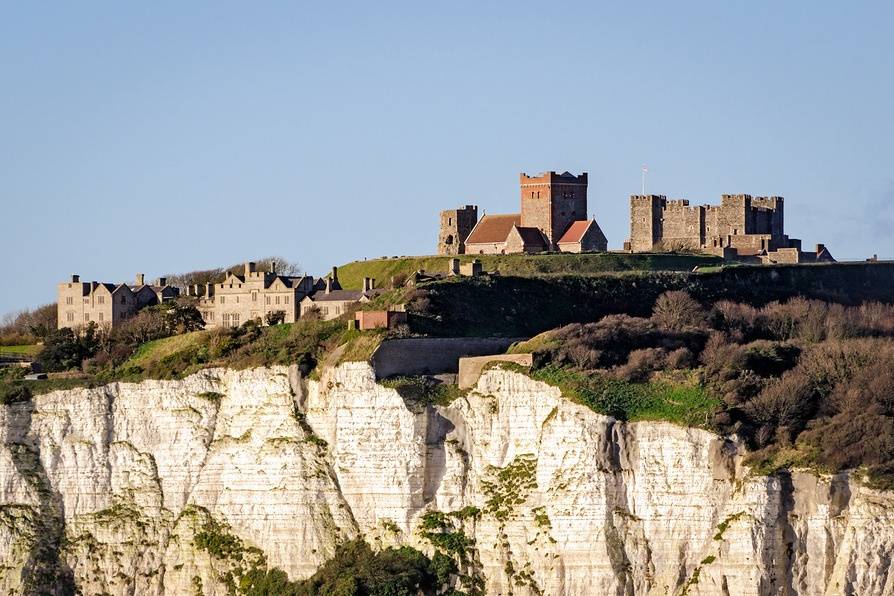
(550,202)
(456,225)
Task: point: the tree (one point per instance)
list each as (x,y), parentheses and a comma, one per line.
(62,350)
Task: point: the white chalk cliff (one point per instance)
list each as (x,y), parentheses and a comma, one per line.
(118,489)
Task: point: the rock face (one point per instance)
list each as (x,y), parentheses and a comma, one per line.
(163,487)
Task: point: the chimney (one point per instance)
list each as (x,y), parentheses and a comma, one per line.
(140,279)
(209,290)
(162,281)
(249,267)
(75,278)
(332,280)
(820,248)
(328,285)
(195,290)
(368,284)
(273,267)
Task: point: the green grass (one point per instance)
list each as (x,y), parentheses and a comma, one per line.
(26,350)
(152,352)
(685,404)
(351,275)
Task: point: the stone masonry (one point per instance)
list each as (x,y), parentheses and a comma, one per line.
(741,227)
(553,217)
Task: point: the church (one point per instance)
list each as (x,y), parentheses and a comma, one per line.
(553,218)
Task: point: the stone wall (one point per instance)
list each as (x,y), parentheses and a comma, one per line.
(470,367)
(431,356)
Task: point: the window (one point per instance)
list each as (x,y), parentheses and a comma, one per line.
(254,296)
(285,299)
(223,300)
(449,221)
(237,299)
(102,299)
(226,319)
(277,300)
(235,320)
(70,301)
(70,317)
(100,317)
(86,317)
(268,299)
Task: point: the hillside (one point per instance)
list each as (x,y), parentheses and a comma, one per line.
(351,275)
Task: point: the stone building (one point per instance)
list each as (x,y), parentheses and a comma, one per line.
(741,227)
(456,225)
(253,295)
(551,205)
(79,303)
(331,301)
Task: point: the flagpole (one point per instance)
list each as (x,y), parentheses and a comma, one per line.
(645,169)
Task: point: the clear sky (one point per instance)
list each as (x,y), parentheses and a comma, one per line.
(170,136)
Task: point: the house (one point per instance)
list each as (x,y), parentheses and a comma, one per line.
(253,295)
(79,303)
(331,301)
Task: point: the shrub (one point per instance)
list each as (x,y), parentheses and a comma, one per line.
(677,310)
(357,570)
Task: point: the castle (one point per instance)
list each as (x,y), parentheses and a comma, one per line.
(553,217)
(742,227)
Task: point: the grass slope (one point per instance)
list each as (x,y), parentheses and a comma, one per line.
(382,270)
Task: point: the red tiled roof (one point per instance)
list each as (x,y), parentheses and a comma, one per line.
(493,228)
(575,231)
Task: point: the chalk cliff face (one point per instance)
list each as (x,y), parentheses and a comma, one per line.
(167,487)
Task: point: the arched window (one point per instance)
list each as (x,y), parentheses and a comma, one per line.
(449,239)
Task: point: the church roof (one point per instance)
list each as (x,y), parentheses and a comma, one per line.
(531,236)
(576,231)
(493,228)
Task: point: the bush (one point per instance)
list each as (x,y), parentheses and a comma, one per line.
(356,570)
(677,310)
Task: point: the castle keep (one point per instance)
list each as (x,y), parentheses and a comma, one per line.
(741,227)
(553,217)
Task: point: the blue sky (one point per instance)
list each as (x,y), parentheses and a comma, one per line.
(136,136)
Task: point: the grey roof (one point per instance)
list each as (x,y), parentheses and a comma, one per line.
(343,295)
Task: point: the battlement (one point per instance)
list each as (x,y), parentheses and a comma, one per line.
(552,178)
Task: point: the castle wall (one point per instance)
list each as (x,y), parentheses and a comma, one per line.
(683,227)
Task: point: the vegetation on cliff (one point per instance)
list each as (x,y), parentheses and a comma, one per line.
(804,382)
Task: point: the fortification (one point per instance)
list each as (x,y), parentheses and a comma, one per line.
(741,227)
(456,225)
